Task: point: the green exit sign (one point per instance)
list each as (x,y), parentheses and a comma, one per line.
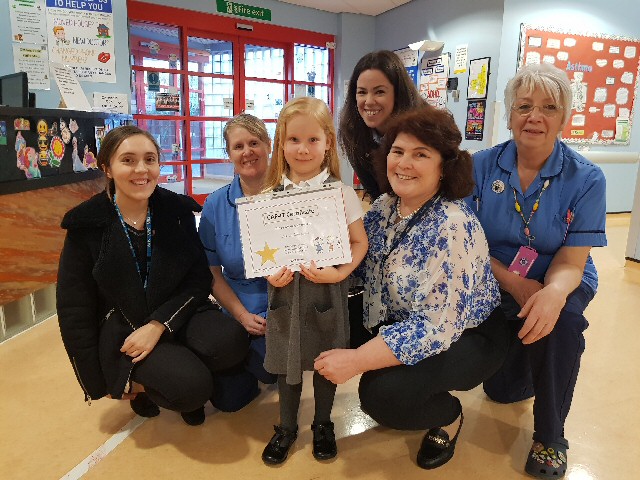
(249,11)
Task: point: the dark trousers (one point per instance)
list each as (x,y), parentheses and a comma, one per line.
(222,344)
(547,368)
(416,397)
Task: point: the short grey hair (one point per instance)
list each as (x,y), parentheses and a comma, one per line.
(551,80)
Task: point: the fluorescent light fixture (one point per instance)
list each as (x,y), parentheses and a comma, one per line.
(427,46)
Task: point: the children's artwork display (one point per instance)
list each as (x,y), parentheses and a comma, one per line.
(603,70)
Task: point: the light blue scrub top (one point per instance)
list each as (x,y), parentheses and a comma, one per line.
(220,234)
(576,186)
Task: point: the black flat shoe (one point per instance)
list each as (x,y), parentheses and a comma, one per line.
(278,447)
(144,406)
(324,441)
(194,418)
(436,448)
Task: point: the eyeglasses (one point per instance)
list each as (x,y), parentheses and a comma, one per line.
(548,110)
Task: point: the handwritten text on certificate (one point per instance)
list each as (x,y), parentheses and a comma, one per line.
(289,228)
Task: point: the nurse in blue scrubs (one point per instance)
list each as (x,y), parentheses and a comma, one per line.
(542,207)
(248,146)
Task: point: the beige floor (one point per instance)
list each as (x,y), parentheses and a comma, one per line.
(46,429)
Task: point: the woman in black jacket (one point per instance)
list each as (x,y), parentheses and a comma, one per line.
(133,287)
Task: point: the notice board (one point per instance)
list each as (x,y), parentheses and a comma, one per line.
(603,70)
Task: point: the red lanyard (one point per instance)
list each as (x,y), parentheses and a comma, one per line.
(526,222)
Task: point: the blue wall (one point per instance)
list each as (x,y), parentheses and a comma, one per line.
(477,23)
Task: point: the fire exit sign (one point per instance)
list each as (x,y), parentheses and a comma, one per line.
(242,10)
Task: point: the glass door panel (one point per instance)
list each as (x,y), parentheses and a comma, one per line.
(156,93)
(311,64)
(172,177)
(210,97)
(208,177)
(207,140)
(154,45)
(316,91)
(207,55)
(264,62)
(267,98)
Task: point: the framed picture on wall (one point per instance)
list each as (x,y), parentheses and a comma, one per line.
(478,78)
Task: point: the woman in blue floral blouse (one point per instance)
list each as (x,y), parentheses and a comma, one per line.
(430,303)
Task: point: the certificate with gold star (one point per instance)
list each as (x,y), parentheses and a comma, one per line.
(293,227)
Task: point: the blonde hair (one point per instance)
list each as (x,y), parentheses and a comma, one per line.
(251,124)
(317,110)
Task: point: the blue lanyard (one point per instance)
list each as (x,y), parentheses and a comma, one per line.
(147,224)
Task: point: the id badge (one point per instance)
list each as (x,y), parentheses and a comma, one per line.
(523,261)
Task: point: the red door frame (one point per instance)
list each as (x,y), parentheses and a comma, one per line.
(207,25)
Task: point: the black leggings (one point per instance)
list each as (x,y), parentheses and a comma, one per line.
(178,373)
(416,397)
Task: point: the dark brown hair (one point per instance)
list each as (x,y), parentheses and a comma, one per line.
(354,136)
(110,144)
(436,129)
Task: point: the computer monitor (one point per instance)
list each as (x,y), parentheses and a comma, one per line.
(14,90)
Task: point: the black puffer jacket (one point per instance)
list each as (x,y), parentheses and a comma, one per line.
(97,279)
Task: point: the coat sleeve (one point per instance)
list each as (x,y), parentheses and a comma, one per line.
(193,292)
(77,306)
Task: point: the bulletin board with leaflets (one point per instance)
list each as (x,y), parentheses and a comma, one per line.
(603,71)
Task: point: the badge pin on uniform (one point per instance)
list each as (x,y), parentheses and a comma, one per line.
(497,186)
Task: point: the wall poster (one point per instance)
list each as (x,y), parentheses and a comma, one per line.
(474,128)
(603,71)
(478,78)
(81,36)
(434,72)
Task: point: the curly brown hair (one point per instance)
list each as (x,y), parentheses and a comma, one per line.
(436,129)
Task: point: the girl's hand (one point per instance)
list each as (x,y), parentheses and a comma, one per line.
(252,323)
(141,342)
(281,278)
(320,275)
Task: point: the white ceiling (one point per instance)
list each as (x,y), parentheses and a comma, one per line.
(366,7)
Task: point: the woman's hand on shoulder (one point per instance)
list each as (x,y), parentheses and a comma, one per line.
(541,311)
(281,278)
(142,341)
(252,323)
(321,275)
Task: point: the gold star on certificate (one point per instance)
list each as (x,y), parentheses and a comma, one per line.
(267,253)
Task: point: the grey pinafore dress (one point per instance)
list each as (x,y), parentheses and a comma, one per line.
(303,320)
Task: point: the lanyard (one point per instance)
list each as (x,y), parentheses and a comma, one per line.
(526,222)
(147,224)
(419,215)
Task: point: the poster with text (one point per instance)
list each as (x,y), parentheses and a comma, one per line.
(28,21)
(81,35)
(603,70)
(478,78)
(434,72)
(476,110)
(34,60)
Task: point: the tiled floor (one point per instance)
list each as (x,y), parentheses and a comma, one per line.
(46,429)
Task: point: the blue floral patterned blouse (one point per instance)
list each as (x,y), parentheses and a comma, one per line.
(434,285)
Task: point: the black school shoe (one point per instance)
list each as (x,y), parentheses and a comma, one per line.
(436,448)
(324,441)
(144,406)
(278,447)
(194,418)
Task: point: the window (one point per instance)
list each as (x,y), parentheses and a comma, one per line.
(191,73)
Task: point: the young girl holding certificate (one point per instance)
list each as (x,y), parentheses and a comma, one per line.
(308,309)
